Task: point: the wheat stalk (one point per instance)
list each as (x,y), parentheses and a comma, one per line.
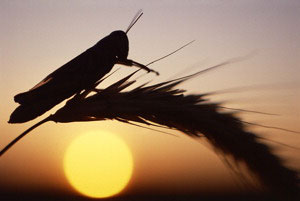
(194,115)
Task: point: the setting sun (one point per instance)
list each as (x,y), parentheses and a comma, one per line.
(98,164)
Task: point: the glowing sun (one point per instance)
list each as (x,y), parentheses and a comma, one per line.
(98,165)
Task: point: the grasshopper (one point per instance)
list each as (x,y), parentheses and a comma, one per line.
(79,74)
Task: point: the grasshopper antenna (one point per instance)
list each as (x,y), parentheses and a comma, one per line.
(135,19)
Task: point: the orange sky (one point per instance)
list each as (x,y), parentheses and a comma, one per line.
(36,38)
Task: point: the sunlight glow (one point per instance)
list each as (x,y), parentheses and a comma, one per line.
(98,165)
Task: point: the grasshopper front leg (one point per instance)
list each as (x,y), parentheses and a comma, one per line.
(129,62)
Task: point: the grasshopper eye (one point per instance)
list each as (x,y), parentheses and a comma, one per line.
(123,48)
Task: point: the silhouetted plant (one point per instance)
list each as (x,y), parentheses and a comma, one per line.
(194,115)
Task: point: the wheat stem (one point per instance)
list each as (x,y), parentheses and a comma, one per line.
(5,149)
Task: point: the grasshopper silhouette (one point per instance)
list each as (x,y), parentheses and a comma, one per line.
(80,73)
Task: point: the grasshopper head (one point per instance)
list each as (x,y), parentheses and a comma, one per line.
(120,44)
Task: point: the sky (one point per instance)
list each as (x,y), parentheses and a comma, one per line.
(37,37)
